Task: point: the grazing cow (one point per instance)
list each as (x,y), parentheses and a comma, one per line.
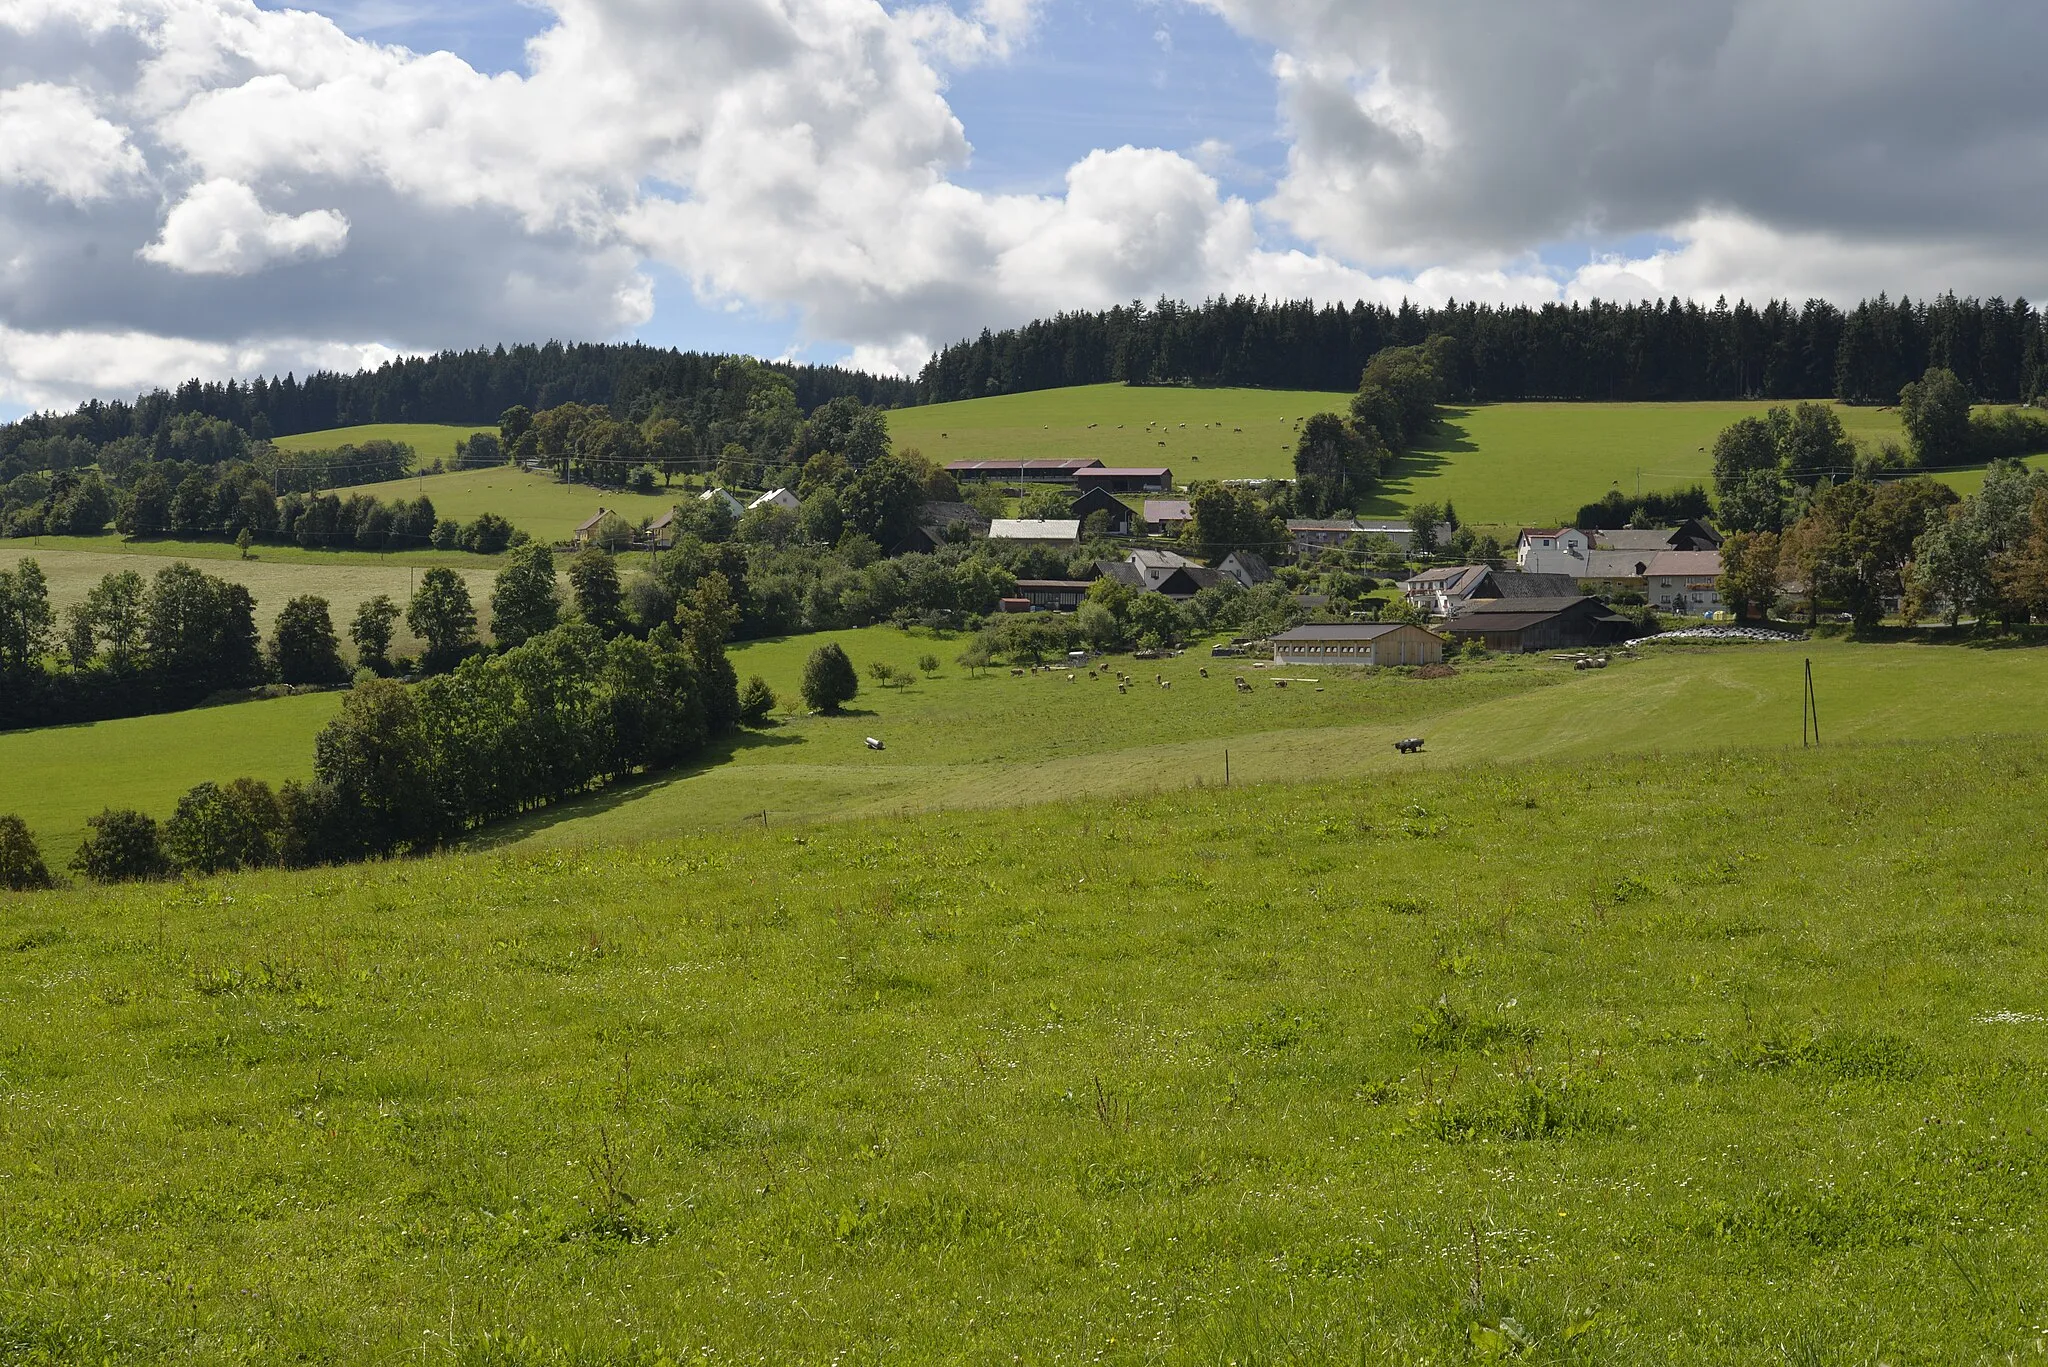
(1016,673)
(1205,671)
(1166,683)
(1411,746)
(874,744)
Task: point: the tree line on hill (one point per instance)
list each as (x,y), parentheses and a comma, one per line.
(452,387)
(1665,350)
(404,770)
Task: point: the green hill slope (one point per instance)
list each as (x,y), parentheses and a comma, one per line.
(1734,1059)
(431,440)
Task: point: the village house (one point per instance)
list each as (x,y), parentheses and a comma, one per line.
(1036,530)
(1553,550)
(720,498)
(1167,573)
(1126,479)
(777,498)
(1166,516)
(1248,568)
(1442,592)
(1099,500)
(1519,625)
(1358,643)
(587,529)
(1685,582)
(661,532)
(1313,534)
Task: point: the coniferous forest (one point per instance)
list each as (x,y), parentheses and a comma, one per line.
(1667,350)
(1671,350)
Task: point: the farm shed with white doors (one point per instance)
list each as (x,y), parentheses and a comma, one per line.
(1359,643)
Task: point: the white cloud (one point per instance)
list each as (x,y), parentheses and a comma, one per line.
(800,157)
(52,138)
(221,228)
(58,369)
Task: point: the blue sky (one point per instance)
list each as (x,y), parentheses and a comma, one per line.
(288,196)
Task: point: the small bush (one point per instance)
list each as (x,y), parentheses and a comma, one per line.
(757,701)
(829,680)
(21,862)
(121,847)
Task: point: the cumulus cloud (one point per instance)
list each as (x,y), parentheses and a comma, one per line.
(221,228)
(51,138)
(205,183)
(1426,130)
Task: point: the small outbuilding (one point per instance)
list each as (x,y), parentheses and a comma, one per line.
(1053,595)
(1096,499)
(1365,644)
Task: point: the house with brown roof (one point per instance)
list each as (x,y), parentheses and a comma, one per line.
(1684,582)
(1520,625)
(1167,516)
(587,528)
(1442,592)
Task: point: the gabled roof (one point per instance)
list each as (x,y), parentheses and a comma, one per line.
(1618,564)
(1635,539)
(1546,607)
(1456,580)
(1035,529)
(1123,571)
(1126,472)
(658,524)
(1552,532)
(1689,564)
(775,498)
(1145,558)
(940,516)
(1168,510)
(1321,524)
(1250,564)
(591,522)
(1509,584)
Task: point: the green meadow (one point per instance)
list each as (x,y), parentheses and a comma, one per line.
(1730,1056)
(57,776)
(539,504)
(997,741)
(1499,464)
(431,440)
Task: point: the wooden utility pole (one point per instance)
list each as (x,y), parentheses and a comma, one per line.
(1809,711)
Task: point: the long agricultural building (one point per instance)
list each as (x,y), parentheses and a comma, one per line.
(1358,643)
(1020,471)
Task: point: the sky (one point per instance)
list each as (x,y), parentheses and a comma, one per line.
(235,187)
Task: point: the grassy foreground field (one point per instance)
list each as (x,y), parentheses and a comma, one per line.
(274,576)
(431,440)
(1738,1060)
(539,504)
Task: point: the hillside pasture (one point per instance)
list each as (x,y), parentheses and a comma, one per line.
(1498,464)
(537,503)
(58,776)
(431,441)
(1732,1060)
(999,741)
(274,576)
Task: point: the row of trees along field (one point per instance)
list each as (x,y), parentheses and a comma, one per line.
(1864,546)
(235,503)
(404,770)
(1664,350)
